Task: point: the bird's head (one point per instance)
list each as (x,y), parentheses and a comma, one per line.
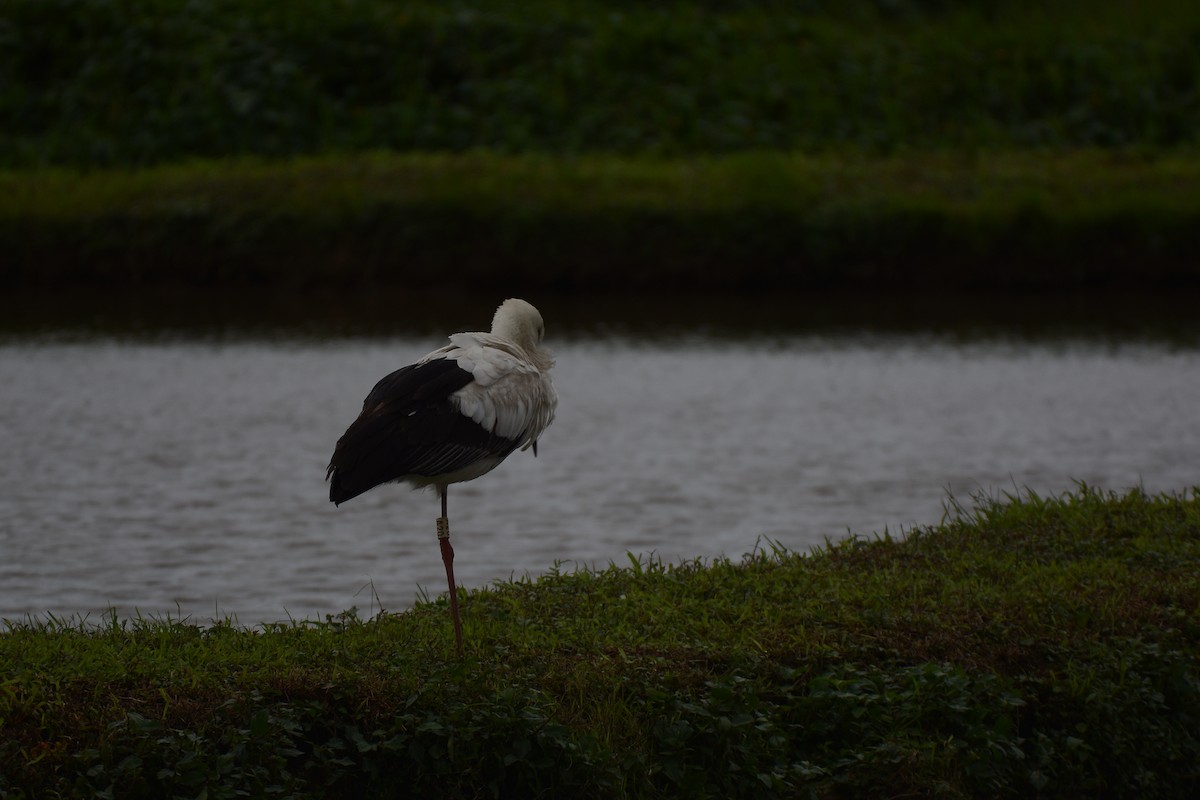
(519,322)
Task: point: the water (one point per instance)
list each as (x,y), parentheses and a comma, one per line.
(183,474)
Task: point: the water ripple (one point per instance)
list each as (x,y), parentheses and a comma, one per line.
(187,478)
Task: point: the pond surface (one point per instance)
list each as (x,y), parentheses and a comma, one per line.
(178,471)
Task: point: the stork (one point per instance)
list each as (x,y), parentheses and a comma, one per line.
(452,416)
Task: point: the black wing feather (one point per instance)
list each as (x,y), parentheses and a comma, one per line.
(408,426)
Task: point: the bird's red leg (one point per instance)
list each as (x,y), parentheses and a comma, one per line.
(443,532)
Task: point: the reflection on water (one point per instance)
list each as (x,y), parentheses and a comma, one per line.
(241,313)
(185,475)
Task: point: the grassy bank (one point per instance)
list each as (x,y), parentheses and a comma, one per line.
(564,144)
(1079,219)
(1031,647)
(105,83)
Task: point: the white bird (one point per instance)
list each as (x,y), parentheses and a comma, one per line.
(451,417)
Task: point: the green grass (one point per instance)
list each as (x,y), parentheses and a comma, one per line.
(591,144)
(1005,220)
(1026,647)
(132,82)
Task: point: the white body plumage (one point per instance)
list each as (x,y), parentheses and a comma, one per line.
(510,394)
(456,413)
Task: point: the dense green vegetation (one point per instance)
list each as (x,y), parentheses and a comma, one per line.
(753,221)
(1044,647)
(567,144)
(121,82)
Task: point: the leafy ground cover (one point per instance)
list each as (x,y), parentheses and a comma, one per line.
(1027,646)
(104,83)
(585,144)
(1045,220)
